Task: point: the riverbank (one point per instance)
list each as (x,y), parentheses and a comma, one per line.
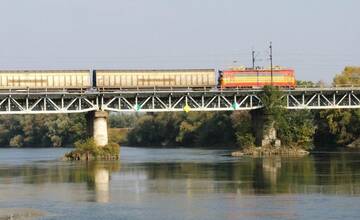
(118,135)
(20,213)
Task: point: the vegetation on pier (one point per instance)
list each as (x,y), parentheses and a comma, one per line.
(88,150)
(295,128)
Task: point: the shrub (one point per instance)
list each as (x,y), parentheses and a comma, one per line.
(88,150)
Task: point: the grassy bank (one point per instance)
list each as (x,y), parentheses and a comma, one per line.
(118,135)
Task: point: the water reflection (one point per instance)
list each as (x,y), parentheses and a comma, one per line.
(271,168)
(337,173)
(319,173)
(98,179)
(101,185)
(95,175)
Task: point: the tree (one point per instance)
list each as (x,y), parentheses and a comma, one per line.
(191,129)
(350,76)
(304,83)
(273,109)
(217,130)
(297,128)
(147,131)
(339,127)
(41,130)
(242,124)
(117,120)
(188,132)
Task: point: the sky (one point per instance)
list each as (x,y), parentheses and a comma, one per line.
(317,38)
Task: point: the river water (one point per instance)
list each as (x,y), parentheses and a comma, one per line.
(181,184)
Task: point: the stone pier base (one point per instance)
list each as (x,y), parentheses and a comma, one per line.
(264,136)
(97,122)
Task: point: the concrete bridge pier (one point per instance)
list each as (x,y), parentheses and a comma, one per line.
(97,126)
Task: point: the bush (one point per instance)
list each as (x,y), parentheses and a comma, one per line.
(245,140)
(16,141)
(88,150)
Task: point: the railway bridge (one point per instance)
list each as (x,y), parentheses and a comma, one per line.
(97,103)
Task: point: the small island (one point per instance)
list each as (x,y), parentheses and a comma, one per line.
(87,150)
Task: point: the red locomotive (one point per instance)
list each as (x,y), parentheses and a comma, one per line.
(257,78)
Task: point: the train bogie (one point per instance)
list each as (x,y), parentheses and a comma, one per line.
(138,79)
(45,79)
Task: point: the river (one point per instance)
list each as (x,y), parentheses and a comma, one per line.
(181,184)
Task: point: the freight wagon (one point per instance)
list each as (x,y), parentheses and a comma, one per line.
(45,79)
(140,79)
(257,78)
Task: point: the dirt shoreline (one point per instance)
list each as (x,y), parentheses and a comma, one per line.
(270,151)
(20,213)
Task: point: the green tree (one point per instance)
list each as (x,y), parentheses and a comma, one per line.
(147,131)
(273,109)
(242,124)
(217,130)
(41,130)
(339,127)
(297,128)
(121,120)
(188,132)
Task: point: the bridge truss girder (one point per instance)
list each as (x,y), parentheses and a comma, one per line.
(179,101)
(328,99)
(47,103)
(170,101)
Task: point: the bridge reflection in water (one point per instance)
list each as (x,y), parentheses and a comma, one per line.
(105,181)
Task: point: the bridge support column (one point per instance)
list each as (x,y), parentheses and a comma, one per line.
(98,127)
(265,132)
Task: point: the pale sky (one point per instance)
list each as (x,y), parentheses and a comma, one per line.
(315,37)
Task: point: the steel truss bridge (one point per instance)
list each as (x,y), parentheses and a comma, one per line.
(44,102)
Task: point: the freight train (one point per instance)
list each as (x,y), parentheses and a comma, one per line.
(146,79)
